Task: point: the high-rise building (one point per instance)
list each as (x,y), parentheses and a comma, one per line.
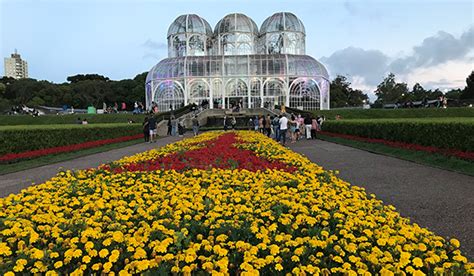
(15,67)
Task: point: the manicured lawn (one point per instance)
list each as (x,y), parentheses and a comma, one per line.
(430,159)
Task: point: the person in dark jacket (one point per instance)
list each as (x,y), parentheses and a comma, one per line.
(146,130)
(170,127)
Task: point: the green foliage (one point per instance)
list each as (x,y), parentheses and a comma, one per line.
(80,77)
(397,113)
(69,119)
(389,91)
(342,95)
(82,91)
(468,92)
(15,139)
(448,133)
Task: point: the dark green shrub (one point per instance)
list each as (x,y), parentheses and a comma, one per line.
(452,133)
(15,139)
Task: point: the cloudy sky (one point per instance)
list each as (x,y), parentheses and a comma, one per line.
(431,42)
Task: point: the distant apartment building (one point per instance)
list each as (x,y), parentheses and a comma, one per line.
(15,67)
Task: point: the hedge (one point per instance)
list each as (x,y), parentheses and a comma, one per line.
(15,139)
(446,133)
(391,113)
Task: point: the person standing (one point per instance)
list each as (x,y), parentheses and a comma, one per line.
(314,128)
(233,122)
(195,125)
(225,123)
(174,126)
(255,122)
(169,127)
(276,127)
(283,127)
(250,123)
(268,125)
(152,128)
(260,124)
(146,129)
(308,124)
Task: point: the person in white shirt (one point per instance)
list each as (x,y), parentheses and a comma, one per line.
(283,128)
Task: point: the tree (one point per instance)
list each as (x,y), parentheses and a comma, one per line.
(468,92)
(80,77)
(342,95)
(389,91)
(453,94)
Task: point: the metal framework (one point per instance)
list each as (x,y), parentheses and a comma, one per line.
(238,65)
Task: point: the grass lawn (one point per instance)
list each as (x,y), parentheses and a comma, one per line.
(50,159)
(420,157)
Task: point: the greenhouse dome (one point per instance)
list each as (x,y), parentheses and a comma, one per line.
(237,64)
(283,33)
(189,35)
(236,34)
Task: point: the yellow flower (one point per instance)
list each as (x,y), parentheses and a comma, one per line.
(58,264)
(117,236)
(417,262)
(278,267)
(4,249)
(86,259)
(455,243)
(103,253)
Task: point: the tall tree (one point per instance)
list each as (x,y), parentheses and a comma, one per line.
(468,92)
(389,91)
(342,95)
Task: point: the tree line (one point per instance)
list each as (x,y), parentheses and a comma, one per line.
(92,89)
(80,91)
(389,91)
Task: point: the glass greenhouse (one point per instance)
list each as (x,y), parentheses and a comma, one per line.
(236,64)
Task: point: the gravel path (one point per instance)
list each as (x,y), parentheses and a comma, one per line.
(442,201)
(14,182)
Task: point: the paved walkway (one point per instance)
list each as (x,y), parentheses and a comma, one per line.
(14,182)
(442,201)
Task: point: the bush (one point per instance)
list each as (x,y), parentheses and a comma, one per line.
(17,139)
(397,113)
(454,133)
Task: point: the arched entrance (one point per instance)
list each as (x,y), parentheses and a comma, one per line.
(236,93)
(169,95)
(304,94)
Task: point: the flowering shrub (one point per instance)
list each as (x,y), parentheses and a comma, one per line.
(289,217)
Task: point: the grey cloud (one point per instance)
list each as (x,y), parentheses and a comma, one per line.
(435,50)
(442,83)
(369,64)
(373,65)
(153,45)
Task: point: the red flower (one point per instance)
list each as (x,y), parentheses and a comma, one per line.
(468,155)
(68,148)
(218,153)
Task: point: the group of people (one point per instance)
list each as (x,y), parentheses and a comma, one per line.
(279,127)
(175,127)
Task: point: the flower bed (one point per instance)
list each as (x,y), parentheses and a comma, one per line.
(55,150)
(467,155)
(286,215)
